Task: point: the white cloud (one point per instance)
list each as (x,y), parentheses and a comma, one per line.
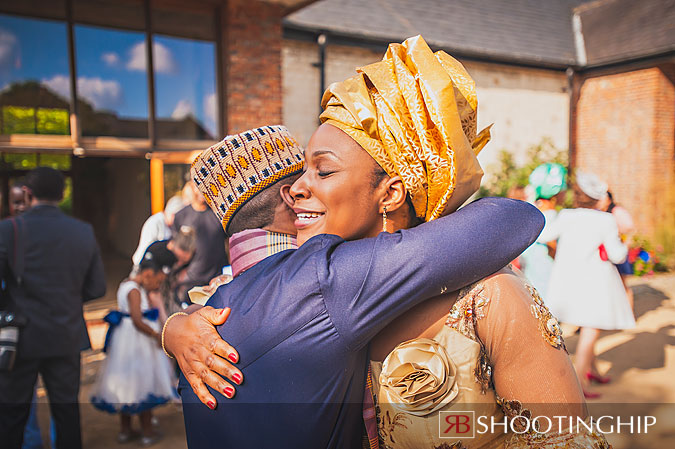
(162,58)
(59,84)
(8,50)
(102,94)
(183,109)
(210,107)
(111,59)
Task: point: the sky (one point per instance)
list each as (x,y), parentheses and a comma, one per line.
(111,68)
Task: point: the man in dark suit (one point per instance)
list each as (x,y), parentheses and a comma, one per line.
(62,267)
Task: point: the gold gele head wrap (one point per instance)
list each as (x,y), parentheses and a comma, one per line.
(414,112)
(240,166)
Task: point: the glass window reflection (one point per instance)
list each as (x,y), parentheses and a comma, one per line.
(111,82)
(185,88)
(34,76)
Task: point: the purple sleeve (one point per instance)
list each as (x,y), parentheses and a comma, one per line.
(367,283)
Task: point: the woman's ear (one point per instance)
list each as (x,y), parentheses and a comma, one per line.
(285,192)
(395,194)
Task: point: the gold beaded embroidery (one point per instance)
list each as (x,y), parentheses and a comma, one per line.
(526,435)
(514,410)
(469,307)
(548,324)
(483,371)
(467,310)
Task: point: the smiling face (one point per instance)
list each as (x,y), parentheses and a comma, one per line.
(17,201)
(335,194)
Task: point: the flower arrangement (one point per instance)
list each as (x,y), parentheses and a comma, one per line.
(645,257)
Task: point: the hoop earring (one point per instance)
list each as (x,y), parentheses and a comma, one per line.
(384,219)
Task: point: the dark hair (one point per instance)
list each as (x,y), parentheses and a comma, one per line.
(45,183)
(377,175)
(612,204)
(156,259)
(582,200)
(258,212)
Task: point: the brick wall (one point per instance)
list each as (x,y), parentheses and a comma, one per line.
(252,64)
(625,133)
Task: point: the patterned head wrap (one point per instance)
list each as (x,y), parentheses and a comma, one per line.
(234,170)
(414,112)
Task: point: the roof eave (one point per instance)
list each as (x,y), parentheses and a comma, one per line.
(295,31)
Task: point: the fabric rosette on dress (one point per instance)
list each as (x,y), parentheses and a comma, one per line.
(418,377)
(422,378)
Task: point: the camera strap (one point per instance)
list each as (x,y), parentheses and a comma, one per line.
(16,263)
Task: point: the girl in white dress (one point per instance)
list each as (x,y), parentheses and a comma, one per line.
(136,376)
(585,288)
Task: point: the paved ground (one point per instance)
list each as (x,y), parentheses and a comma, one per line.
(641,362)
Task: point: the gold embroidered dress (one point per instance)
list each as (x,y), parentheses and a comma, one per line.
(415,113)
(493,376)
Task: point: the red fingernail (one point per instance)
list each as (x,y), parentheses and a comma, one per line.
(236,377)
(232,357)
(229,391)
(222,312)
(212,405)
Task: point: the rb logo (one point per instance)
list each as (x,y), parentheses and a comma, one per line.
(457,424)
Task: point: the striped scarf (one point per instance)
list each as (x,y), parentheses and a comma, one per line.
(249,247)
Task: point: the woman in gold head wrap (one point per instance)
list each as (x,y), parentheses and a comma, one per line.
(493,348)
(397,147)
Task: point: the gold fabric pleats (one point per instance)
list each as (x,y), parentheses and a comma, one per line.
(414,112)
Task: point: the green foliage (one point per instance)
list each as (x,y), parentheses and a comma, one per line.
(506,173)
(26,120)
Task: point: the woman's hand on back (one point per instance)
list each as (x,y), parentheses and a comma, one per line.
(202,355)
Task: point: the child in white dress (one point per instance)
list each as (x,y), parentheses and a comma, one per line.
(136,376)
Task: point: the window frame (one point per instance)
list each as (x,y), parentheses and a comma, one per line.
(105,145)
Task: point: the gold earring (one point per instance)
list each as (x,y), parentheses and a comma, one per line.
(384,219)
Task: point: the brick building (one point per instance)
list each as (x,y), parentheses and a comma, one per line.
(118,93)
(623,119)
(594,77)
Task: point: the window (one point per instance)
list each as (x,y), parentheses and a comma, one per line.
(185,88)
(112,86)
(34,76)
(111,76)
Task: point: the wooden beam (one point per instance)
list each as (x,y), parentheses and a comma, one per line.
(156,185)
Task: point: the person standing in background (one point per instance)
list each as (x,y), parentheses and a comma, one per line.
(178,250)
(19,202)
(157,227)
(62,268)
(626,226)
(210,254)
(547,181)
(585,288)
